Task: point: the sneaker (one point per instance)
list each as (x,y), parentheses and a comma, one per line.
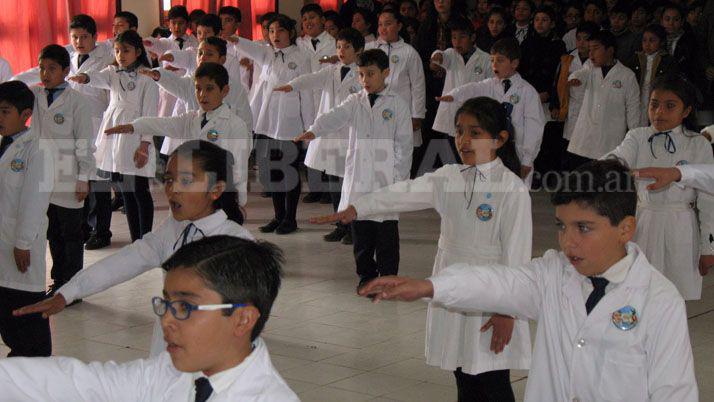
(270,227)
(96,243)
(336,235)
(286,228)
(311,198)
(325,199)
(347,239)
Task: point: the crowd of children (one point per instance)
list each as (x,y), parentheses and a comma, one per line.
(346,104)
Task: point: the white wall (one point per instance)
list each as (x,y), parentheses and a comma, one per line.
(146,10)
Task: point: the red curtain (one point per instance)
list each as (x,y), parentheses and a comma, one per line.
(29,25)
(328,4)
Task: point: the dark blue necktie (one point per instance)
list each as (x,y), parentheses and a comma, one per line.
(314,43)
(203,389)
(343,72)
(508,108)
(204,120)
(82,59)
(669,144)
(599,285)
(281,54)
(506,86)
(180,42)
(51,95)
(372,99)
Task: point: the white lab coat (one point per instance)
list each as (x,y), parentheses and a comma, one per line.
(326,47)
(570,40)
(145,254)
(701,177)
(258,71)
(184,89)
(223,128)
(26,181)
(576,96)
(67,123)
(454,338)
(668,230)
(279,115)
(527,115)
(328,153)
(115,153)
(186,59)
(457,74)
(64,379)
(167,102)
(380,144)
(611,106)
(580,357)
(5,70)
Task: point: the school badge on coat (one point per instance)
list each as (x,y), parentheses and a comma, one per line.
(625,318)
(17,165)
(484,212)
(212,135)
(617,84)
(514,99)
(395,59)
(292,65)
(478,70)
(59,119)
(387,114)
(131,85)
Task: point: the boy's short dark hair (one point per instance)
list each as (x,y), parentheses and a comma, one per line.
(672,6)
(314,8)
(56,53)
(218,43)
(129,17)
(179,12)
(331,15)
(211,21)
(241,271)
(621,8)
(530,4)
(548,10)
(508,47)
(17,94)
(603,185)
(286,23)
(196,15)
(605,38)
(353,37)
(373,57)
(658,31)
(267,17)
(160,32)
(83,21)
(461,24)
(232,11)
(597,3)
(588,27)
(214,72)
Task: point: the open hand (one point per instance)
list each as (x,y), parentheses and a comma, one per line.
(502,330)
(346,216)
(46,307)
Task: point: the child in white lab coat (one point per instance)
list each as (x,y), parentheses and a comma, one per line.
(277,117)
(406,71)
(217,297)
(214,122)
(611,105)
(464,63)
(379,154)
(485,218)
(26,181)
(520,98)
(610,326)
(676,238)
(61,116)
(336,82)
(129,161)
(199,186)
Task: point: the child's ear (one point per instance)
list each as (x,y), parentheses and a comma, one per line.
(502,138)
(244,320)
(386,72)
(25,114)
(218,189)
(65,71)
(222,59)
(687,111)
(627,228)
(224,91)
(515,63)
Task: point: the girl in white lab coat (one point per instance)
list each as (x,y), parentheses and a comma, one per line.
(485,213)
(677,239)
(199,186)
(278,117)
(129,160)
(406,71)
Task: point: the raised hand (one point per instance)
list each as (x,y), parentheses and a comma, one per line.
(346,216)
(79,78)
(663,176)
(445,98)
(153,74)
(283,88)
(46,307)
(120,129)
(397,288)
(306,136)
(502,330)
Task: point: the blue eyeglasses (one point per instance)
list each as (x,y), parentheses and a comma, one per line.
(181,310)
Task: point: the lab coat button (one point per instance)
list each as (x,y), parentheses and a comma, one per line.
(581,343)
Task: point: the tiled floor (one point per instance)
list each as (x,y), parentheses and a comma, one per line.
(329,344)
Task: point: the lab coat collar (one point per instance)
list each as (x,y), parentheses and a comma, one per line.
(208,224)
(287,50)
(223,111)
(59,95)
(395,45)
(485,167)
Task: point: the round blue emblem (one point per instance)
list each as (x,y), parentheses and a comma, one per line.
(484,212)
(625,318)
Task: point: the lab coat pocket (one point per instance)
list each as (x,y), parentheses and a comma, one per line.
(623,377)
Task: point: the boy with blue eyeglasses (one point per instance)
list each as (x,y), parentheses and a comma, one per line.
(217,296)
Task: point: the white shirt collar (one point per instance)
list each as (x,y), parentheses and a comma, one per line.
(617,273)
(222,381)
(216,112)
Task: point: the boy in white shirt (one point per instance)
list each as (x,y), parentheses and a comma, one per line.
(217,296)
(26,180)
(610,326)
(60,115)
(379,154)
(214,122)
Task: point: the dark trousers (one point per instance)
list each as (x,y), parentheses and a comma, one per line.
(28,335)
(574,161)
(138,203)
(278,172)
(491,386)
(65,235)
(335,189)
(98,208)
(376,248)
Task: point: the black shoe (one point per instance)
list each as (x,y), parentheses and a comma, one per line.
(325,199)
(347,239)
(311,198)
(286,228)
(96,243)
(265,194)
(336,235)
(270,227)
(117,203)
